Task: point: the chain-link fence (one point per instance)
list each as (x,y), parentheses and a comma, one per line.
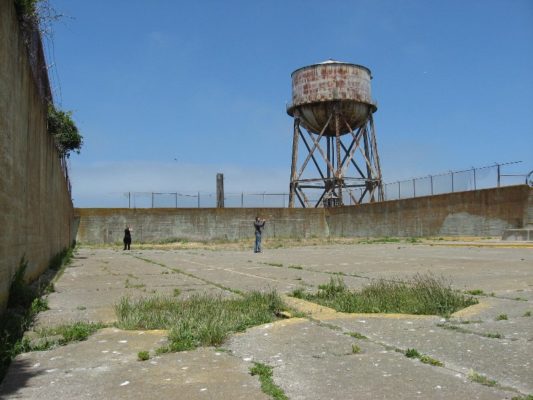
(454,181)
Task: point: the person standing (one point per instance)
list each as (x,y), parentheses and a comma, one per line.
(127,238)
(259,224)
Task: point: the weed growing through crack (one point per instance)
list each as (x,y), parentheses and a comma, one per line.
(482,379)
(475,292)
(502,317)
(493,335)
(355,349)
(129,285)
(295,266)
(421,294)
(61,335)
(527,314)
(267,383)
(413,353)
(431,361)
(201,320)
(273,264)
(356,335)
(143,355)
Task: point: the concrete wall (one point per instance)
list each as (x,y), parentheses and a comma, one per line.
(486,212)
(35,207)
(477,213)
(98,225)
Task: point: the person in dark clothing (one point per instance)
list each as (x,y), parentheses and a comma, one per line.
(259,224)
(127,238)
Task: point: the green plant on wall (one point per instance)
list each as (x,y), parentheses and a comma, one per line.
(64,130)
(26,8)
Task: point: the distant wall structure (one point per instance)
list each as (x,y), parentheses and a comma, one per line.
(106,225)
(485,212)
(36,212)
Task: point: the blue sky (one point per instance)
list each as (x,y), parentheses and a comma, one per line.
(167,93)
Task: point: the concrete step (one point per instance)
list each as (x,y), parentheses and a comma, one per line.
(519,235)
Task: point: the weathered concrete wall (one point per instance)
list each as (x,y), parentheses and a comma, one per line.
(35,207)
(99,225)
(478,213)
(485,212)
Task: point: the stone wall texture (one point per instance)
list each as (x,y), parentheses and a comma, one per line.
(481,213)
(36,212)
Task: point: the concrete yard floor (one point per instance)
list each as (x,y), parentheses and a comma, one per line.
(312,357)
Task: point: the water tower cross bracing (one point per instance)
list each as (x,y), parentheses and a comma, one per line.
(334,132)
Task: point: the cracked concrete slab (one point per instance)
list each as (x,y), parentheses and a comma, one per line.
(312,357)
(106,367)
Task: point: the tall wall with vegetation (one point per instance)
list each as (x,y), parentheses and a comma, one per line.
(36,211)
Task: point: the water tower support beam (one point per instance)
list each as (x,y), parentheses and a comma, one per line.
(292,187)
(304,140)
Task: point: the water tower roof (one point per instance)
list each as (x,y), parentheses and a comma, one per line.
(332,61)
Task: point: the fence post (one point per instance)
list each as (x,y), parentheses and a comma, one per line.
(242,199)
(176,199)
(129,199)
(399,191)
(498,166)
(452,181)
(198,199)
(431,180)
(263,199)
(152,199)
(414,187)
(474,170)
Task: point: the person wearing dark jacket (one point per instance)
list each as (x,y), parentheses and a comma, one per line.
(259,224)
(127,238)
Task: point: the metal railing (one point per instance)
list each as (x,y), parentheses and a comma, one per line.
(496,175)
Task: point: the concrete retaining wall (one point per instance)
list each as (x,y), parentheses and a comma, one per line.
(35,207)
(99,225)
(485,212)
(477,213)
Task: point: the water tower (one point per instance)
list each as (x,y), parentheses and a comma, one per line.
(332,110)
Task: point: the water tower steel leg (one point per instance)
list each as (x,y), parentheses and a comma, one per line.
(292,187)
(381,195)
(338,173)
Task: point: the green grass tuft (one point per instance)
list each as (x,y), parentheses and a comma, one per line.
(527,314)
(143,356)
(421,294)
(201,320)
(355,349)
(431,361)
(295,266)
(267,383)
(412,353)
(502,317)
(482,379)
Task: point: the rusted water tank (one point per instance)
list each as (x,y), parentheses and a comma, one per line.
(319,90)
